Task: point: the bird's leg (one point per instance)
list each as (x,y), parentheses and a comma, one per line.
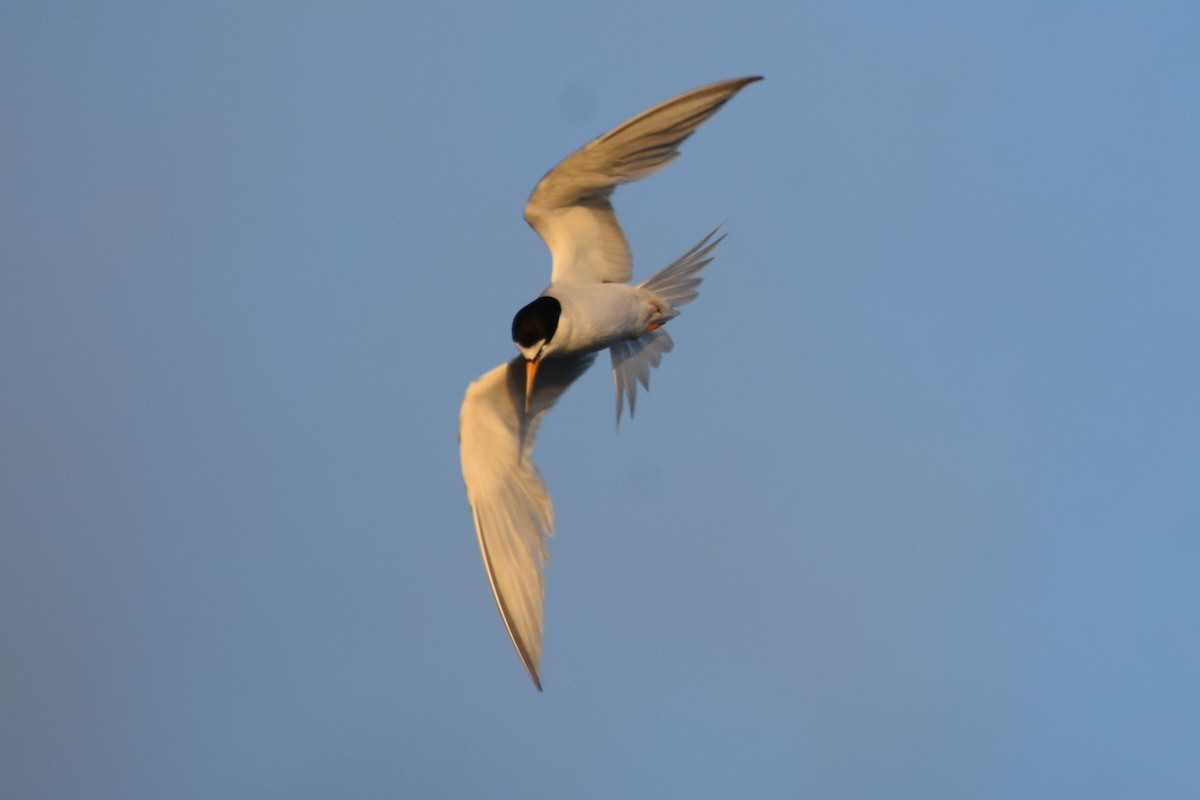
(655,324)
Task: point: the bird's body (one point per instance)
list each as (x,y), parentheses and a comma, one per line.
(594,316)
(589,306)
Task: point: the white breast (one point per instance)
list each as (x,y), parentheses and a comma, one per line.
(594,316)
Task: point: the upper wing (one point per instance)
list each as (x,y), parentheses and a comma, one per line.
(569,208)
(513,516)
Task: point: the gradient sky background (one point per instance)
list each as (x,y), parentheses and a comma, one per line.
(912,510)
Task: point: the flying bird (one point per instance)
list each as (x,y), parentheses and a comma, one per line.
(589,305)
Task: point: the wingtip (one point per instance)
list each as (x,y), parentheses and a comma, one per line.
(526,659)
(729,87)
(532,669)
(743,82)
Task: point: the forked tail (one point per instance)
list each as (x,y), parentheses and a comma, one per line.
(678,284)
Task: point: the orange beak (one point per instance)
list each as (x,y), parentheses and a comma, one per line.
(530,371)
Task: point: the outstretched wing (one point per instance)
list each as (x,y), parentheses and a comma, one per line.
(513,516)
(570,209)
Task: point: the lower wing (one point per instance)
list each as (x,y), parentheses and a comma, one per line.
(513,515)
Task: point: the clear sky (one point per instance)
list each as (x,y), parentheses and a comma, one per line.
(912,511)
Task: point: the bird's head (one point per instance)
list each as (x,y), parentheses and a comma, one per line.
(533,333)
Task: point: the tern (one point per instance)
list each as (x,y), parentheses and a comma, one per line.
(589,305)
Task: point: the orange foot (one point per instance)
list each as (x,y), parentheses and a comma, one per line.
(653,326)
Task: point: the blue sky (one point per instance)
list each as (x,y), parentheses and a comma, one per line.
(911,511)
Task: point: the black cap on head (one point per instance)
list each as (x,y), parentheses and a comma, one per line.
(536,322)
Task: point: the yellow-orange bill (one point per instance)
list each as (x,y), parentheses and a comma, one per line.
(530,372)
